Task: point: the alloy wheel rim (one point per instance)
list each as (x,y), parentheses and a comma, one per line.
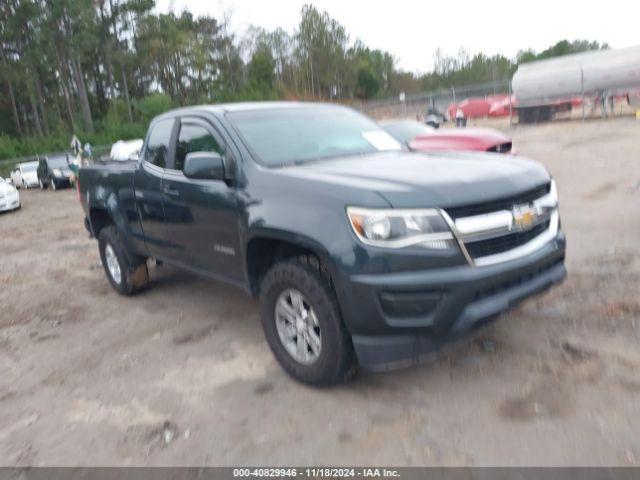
(298,327)
(112,264)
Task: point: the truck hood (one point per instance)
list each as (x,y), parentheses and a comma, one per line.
(415,180)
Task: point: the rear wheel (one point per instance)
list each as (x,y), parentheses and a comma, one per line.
(127,273)
(302,323)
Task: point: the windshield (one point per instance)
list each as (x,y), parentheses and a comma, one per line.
(58,162)
(283,136)
(29,168)
(406,131)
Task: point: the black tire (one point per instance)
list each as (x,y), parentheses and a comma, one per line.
(337,361)
(134,274)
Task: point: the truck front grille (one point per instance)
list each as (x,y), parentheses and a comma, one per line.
(504,243)
(505,203)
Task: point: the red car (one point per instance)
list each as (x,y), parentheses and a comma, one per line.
(422,138)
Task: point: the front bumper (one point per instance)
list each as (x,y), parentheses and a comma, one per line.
(398,319)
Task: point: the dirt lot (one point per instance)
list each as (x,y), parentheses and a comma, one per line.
(180,375)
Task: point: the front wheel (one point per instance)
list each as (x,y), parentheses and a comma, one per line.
(127,273)
(302,323)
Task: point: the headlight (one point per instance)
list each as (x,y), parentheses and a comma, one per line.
(391,228)
(57,172)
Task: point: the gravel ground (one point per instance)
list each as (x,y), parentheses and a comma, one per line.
(181,375)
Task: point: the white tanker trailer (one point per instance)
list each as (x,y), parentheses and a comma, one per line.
(544,87)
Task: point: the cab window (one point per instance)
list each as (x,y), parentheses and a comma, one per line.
(157,150)
(194,138)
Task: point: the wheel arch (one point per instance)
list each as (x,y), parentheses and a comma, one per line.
(108,213)
(264,249)
(99,218)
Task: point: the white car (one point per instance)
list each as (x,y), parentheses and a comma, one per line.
(9,196)
(25,175)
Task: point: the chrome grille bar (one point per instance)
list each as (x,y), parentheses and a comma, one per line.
(503,222)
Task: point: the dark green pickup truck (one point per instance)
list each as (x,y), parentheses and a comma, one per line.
(361,253)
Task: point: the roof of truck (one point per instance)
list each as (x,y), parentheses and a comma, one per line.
(243,107)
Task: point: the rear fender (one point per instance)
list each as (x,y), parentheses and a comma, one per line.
(118,218)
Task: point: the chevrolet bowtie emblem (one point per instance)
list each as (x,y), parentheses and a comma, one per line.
(524,216)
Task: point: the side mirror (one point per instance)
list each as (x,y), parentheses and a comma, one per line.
(204,166)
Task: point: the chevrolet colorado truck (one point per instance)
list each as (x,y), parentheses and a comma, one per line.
(361,253)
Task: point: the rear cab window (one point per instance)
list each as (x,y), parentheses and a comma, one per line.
(58,162)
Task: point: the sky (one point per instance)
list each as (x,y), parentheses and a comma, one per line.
(412,30)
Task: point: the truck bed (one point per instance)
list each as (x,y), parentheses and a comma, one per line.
(115,164)
(116,175)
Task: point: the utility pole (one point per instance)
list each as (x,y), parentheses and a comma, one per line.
(582,89)
(510,108)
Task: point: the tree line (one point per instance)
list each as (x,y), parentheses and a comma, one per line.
(104,68)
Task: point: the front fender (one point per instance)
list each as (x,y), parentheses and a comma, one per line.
(322,229)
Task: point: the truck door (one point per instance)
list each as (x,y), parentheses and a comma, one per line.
(201,215)
(147,183)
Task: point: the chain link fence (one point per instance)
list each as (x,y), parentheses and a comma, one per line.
(578,106)
(416,104)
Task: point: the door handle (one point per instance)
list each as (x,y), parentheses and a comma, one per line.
(167,190)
